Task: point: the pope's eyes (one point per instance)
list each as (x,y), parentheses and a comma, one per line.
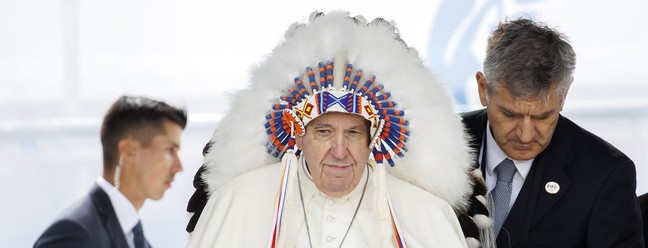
(323,131)
(355,132)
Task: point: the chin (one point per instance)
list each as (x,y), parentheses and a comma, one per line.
(525,155)
(518,153)
(157,196)
(339,188)
(154,198)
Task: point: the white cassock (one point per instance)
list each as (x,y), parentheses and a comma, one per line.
(240,214)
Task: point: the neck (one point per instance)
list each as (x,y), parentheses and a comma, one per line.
(136,199)
(127,190)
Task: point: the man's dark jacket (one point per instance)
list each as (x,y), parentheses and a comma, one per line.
(596,205)
(91,222)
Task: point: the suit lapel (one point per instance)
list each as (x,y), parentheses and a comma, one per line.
(554,160)
(110,221)
(475,123)
(551,165)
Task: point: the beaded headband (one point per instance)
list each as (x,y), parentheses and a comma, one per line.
(389,128)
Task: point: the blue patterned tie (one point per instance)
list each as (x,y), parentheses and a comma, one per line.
(138,231)
(502,192)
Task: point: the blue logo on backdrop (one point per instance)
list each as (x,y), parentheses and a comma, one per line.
(457,26)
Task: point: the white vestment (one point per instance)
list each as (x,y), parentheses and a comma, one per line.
(240,214)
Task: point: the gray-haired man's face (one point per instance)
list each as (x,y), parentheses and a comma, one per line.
(521,127)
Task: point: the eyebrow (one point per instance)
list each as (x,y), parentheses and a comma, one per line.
(321,125)
(174,144)
(359,127)
(326,125)
(511,112)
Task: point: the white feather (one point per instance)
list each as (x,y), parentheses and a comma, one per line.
(438,156)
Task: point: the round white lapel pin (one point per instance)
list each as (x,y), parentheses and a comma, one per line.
(552,187)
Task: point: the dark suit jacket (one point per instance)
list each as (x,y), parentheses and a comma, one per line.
(643,202)
(91,222)
(596,205)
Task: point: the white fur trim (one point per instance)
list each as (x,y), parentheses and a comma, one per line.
(486,234)
(476,173)
(472,242)
(482,199)
(482,221)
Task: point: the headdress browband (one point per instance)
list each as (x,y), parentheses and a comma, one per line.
(389,128)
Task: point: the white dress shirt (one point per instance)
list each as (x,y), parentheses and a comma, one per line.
(494,156)
(126,213)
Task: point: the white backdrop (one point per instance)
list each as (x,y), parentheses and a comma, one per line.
(63,62)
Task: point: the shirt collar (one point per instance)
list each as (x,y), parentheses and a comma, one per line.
(495,155)
(124,209)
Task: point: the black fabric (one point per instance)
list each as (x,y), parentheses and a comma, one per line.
(199,198)
(475,206)
(643,201)
(596,205)
(468,226)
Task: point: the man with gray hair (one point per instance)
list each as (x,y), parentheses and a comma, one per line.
(551,182)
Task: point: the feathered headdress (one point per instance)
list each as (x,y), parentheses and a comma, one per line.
(341,63)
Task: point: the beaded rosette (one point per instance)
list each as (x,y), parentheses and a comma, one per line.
(389,128)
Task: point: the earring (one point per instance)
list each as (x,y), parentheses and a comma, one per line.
(118,171)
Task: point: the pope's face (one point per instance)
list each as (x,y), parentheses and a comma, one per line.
(336,150)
